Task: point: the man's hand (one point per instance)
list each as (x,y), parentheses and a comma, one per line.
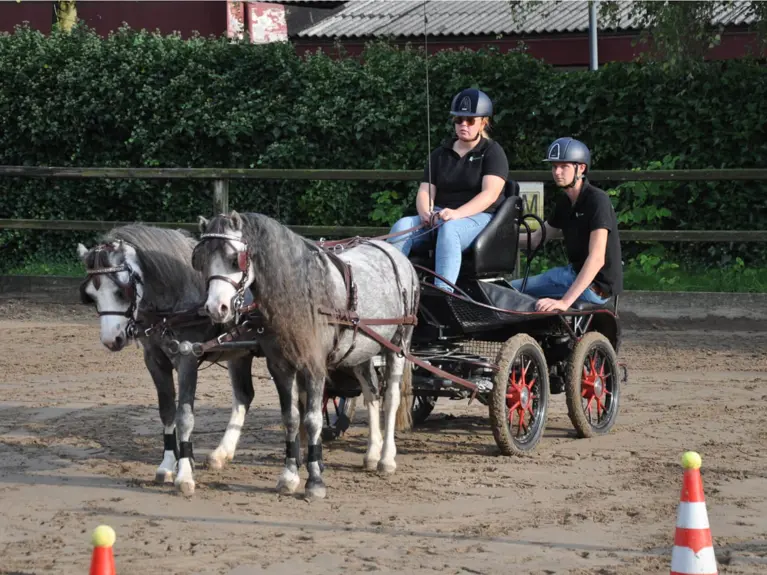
(447,214)
(548,304)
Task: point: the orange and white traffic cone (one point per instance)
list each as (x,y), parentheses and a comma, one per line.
(693,552)
(103,560)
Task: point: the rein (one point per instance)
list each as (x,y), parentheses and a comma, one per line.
(433,224)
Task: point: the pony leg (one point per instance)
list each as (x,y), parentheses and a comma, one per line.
(187,385)
(395,367)
(287,390)
(315,486)
(366,375)
(161,370)
(242,396)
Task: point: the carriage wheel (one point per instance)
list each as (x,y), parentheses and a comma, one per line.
(520,397)
(422,407)
(592,388)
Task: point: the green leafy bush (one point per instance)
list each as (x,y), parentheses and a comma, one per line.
(138,99)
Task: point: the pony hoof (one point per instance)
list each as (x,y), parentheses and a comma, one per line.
(186,488)
(315,490)
(218,462)
(288,485)
(163,476)
(386,468)
(370,464)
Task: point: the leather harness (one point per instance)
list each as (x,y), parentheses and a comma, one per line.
(347,316)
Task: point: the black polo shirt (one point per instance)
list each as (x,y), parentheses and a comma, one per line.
(591,211)
(458,179)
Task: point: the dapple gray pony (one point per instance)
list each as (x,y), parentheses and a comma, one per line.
(142,283)
(299,287)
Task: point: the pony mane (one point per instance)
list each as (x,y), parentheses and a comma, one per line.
(164,256)
(291,282)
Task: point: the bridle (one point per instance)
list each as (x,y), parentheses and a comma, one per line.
(129,291)
(243,264)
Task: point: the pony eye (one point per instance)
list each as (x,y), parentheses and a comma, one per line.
(235,261)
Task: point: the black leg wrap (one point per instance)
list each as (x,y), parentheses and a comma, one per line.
(293,451)
(186,450)
(314,454)
(170,443)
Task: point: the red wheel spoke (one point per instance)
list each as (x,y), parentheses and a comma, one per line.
(520,397)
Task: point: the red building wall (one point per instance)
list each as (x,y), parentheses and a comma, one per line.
(205,16)
(38,14)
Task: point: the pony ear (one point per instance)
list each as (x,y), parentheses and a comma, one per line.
(202,224)
(82,251)
(236,220)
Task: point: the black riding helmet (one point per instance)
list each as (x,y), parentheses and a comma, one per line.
(569,150)
(471,102)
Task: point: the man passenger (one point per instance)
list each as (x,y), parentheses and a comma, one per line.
(584,216)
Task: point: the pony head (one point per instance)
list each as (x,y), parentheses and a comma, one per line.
(222,256)
(114,284)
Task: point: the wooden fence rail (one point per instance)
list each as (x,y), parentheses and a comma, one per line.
(725,236)
(222,176)
(727,174)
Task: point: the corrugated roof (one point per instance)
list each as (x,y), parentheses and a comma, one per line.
(404,18)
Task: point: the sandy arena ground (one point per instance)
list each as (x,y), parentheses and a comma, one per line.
(80,439)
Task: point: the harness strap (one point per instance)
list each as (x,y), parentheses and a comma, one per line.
(344,317)
(407,355)
(351,300)
(200,349)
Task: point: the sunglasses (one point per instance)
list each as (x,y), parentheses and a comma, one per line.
(470,120)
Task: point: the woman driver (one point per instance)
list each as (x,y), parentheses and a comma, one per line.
(468,173)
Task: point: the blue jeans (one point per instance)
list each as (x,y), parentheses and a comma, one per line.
(554,283)
(452,238)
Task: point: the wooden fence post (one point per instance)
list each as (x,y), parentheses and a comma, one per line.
(220,197)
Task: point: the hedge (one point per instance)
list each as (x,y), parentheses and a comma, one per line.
(142,99)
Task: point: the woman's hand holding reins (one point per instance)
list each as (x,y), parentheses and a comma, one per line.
(447,215)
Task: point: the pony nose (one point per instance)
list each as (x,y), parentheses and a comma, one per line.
(223,309)
(118,342)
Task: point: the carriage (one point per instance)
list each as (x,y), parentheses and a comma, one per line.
(483,341)
(491,345)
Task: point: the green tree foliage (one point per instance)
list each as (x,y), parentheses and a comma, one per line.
(138,99)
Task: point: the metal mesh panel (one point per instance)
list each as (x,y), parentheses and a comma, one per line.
(473,317)
(487,349)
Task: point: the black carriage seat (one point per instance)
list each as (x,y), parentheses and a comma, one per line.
(611,304)
(494,252)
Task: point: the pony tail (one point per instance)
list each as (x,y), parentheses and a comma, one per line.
(404,419)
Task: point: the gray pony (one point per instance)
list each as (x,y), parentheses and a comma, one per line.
(298,286)
(143,286)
